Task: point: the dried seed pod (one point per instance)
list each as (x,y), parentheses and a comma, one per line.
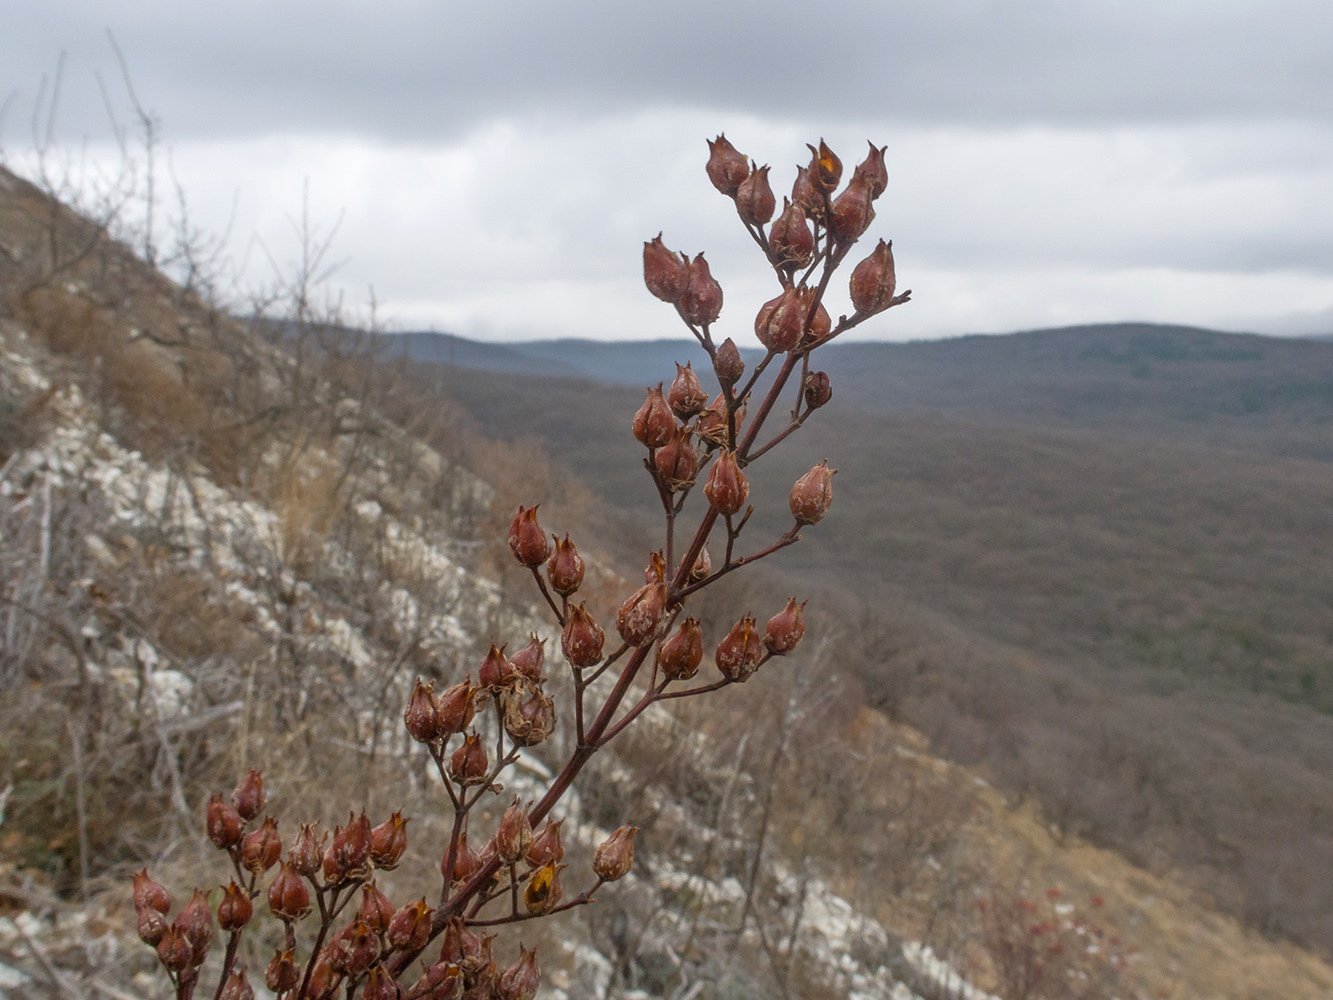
(288,897)
(149,894)
(686,397)
(350,852)
(664,272)
(235,910)
(388,841)
(282,974)
(248,796)
(817,323)
(780,322)
(790,238)
(323,979)
(261,848)
(702,302)
(656,569)
(614,857)
(379,985)
(528,660)
(873,281)
(727,488)
(546,846)
(466,862)
(196,920)
(306,852)
(151,926)
(825,170)
(818,390)
(852,210)
(812,495)
(421,716)
(676,462)
(581,641)
(520,980)
(875,170)
(711,424)
(754,198)
(805,197)
(565,568)
(680,656)
(653,423)
(785,629)
(543,890)
(237,987)
(527,540)
(514,834)
(739,653)
(174,950)
(640,617)
(468,764)
(409,928)
(496,672)
(376,910)
(225,826)
(441,981)
(456,707)
(703,566)
(728,365)
(529,715)
(727,167)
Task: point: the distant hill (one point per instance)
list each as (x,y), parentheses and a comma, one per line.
(1271,394)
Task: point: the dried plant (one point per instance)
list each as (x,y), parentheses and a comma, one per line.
(352,937)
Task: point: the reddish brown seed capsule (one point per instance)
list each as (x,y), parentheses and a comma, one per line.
(174,950)
(380,986)
(151,926)
(676,462)
(235,910)
(727,488)
(818,390)
(306,852)
(784,629)
(409,928)
(546,846)
(875,170)
(196,920)
(664,272)
(614,857)
(149,894)
(817,324)
(655,572)
(455,707)
(527,540)
(282,973)
(260,849)
(874,281)
(852,210)
(468,764)
(581,641)
(514,834)
(754,198)
(825,170)
(813,493)
(565,568)
(702,302)
(520,980)
(225,826)
(653,423)
(360,947)
(388,841)
(441,981)
(323,980)
(496,671)
(781,322)
(237,987)
(640,617)
(711,424)
(351,849)
(466,862)
(703,566)
(543,891)
(790,238)
(686,397)
(728,364)
(727,167)
(375,911)
(528,661)
(421,716)
(739,653)
(248,796)
(805,197)
(288,897)
(529,715)
(680,656)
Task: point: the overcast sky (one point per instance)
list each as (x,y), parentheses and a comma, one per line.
(496,166)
